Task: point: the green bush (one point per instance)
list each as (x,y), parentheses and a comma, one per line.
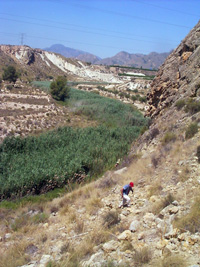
(168,137)
(180,104)
(192,106)
(59,89)
(142,99)
(10,74)
(191,130)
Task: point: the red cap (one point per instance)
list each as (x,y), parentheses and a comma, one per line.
(131,184)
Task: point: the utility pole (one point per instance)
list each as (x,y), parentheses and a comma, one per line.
(22,38)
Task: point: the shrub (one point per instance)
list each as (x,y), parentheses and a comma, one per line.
(142,256)
(9,87)
(152,134)
(180,104)
(168,137)
(143,99)
(173,261)
(191,130)
(111,218)
(168,200)
(155,161)
(198,154)
(59,89)
(155,189)
(184,176)
(106,182)
(10,74)
(133,97)
(191,221)
(19,222)
(192,106)
(143,130)
(158,206)
(39,218)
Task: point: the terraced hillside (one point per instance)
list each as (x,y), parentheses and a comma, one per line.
(27,110)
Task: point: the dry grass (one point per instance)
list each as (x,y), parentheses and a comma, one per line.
(168,137)
(14,256)
(155,189)
(172,261)
(79,226)
(160,205)
(110,219)
(191,221)
(185,174)
(106,182)
(93,204)
(142,256)
(127,245)
(141,169)
(99,235)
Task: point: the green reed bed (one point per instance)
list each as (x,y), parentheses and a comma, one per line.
(34,165)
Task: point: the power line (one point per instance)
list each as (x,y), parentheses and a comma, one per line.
(68,41)
(63,28)
(80,26)
(166,8)
(131,16)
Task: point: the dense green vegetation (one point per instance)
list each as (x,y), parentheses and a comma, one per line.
(146,77)
(109,112)
(33,165)
(59,89)
(10,74)
(134,68)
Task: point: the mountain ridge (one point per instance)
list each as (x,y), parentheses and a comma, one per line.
(152,60)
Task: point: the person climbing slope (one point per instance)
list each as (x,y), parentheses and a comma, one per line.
(124,194)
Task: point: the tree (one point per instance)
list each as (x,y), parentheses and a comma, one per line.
(59,89)
(10,74)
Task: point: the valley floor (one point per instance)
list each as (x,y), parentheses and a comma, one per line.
(86,227)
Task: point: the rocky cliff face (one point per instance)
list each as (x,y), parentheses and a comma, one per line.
(179,76)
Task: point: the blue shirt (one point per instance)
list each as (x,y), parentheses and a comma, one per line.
(126,189)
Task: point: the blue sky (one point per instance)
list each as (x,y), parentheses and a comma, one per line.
(101,27)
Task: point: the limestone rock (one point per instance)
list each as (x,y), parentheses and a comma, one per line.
(134,226)
(96,260)
(173,210)
(126,235)
(44,260)
(110,246)
(8,236)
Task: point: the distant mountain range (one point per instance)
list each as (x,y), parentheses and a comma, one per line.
(151,61)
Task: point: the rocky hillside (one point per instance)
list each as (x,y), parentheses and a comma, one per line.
(178,78)
(162,225)
(40,64)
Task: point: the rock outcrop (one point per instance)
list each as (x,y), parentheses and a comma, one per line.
(178,77)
